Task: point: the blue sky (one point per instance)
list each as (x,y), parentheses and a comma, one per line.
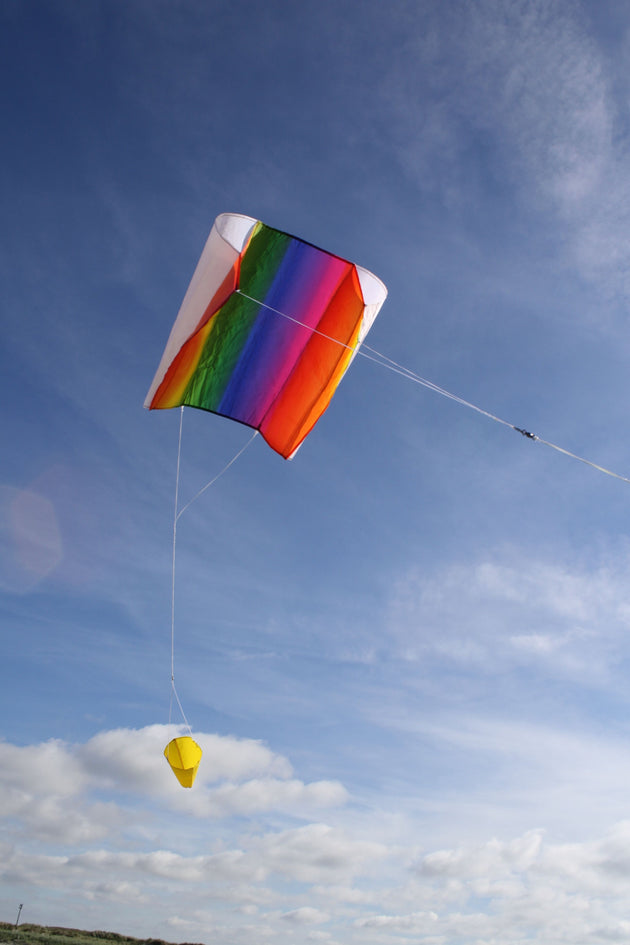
(405,652)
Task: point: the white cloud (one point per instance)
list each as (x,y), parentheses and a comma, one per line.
(529,84)
(50,790)
(271,794)
(416,922)
(335,883)
(344,894)
(305,915)
(509,609)
(494,858)
(115,891)
(551,774)
(48,769)
(42,788)
(134,757)
(318,853)
(523,890)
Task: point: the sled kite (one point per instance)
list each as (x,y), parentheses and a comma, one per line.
(267,329)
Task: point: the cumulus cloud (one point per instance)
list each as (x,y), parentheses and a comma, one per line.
(135,755)
(49,790)
(305,915)
(317,853)
(417,922)
(336,883)
(42,788)
(302,855)
(523,890)
(48,769)
(68,811)
(269,794)
(491,859)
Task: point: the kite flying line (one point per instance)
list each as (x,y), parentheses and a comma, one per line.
(177,514)
(383,361)
(386,362)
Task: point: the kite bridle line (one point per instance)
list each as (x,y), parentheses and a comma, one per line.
(177,514)
(383,361)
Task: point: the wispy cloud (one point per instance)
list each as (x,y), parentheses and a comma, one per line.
(510,609)
(528,93)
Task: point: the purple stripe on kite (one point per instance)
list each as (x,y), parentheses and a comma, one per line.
(304,284)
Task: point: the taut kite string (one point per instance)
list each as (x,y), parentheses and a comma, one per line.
(371,354)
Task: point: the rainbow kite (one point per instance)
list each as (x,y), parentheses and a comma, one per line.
(267,329)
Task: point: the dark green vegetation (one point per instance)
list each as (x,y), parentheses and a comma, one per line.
(45,935)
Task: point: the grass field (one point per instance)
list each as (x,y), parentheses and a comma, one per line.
(47,935)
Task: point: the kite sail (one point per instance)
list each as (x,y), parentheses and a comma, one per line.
(267,329)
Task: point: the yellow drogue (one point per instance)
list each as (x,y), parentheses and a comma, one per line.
(183,755)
